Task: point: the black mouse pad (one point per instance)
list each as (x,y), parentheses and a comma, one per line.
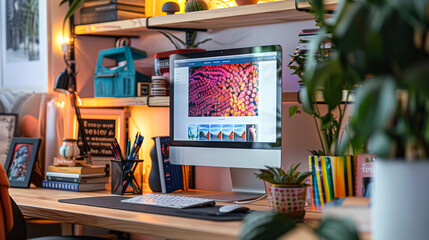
(114,202)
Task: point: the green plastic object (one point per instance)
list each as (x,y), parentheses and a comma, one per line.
(121,79)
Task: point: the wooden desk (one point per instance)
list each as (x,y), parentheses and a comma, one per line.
(43,203)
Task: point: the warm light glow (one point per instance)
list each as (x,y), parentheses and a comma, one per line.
(151,122)
(60,39)
(66,40)
(216,4)
(60,104)
(79,102)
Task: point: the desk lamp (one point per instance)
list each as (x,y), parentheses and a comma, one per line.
(66,83)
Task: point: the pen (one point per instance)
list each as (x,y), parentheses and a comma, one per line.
(128,147)
(118,149)
(134,146)
(113,151)
(139,144)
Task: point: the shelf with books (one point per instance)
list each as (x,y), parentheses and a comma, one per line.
(242,16)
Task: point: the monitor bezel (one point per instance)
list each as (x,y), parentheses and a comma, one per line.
(226,52)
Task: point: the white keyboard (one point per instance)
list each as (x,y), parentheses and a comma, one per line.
(171,201)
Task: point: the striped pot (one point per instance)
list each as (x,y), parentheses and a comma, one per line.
(289,200)
(331,177)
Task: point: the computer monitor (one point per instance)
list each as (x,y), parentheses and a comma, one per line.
(225,111)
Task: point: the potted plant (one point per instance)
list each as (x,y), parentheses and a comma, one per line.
(384,44)
(189,45)
(273,225)
(288,190)
(325,95)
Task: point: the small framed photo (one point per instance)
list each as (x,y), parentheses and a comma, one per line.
(20,161)
(143,89)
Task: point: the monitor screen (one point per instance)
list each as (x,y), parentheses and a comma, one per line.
(226,99)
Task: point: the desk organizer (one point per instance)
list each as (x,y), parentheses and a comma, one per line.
(123,177)
(119,81)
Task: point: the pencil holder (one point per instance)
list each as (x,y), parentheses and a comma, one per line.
(124,180)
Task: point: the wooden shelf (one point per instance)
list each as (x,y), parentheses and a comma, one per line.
(154,101)
(249,15)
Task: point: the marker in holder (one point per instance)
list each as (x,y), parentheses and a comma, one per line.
(124,180)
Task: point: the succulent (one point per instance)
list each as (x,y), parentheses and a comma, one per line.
(290,178)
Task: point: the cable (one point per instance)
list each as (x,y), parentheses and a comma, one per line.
(251,201)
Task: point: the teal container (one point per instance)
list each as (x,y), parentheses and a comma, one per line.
(121,79)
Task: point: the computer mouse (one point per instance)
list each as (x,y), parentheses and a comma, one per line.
(233,208)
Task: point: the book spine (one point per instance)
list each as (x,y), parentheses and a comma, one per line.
(61,174)
(172,173)
(112,7)
(63,179)
(64,169)
(86,18)
(61,185)
(99,8)
(160,164)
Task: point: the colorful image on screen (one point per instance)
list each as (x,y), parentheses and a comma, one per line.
(215,132)
(193,132)
(240,132)
(224,90)
(204,132)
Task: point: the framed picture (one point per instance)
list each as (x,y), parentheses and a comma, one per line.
(24,45)
(20,161)
(101,127)
(8,124)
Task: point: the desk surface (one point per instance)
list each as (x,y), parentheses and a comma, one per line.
(43,203)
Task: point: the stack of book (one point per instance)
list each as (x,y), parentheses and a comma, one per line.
(78,179)
(303,48)
(97,11)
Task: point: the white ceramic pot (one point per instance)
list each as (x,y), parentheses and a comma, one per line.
(400,203)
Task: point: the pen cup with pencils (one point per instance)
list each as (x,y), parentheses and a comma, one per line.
(124,179)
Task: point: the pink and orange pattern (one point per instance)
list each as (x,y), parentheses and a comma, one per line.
(224,90)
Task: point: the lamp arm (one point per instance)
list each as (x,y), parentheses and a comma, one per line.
(86,150)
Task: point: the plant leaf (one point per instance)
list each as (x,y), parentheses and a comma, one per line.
(201,42)
(293,110)
(337,229)
(166,34)
(63,1)
(73,7)
(374,106)
(265,225)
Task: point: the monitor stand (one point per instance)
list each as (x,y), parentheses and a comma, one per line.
(245,186)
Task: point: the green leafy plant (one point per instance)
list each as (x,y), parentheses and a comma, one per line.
(290,178)
(325,79)
(74,6)
(177,42)
(273,225)
(383,45)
